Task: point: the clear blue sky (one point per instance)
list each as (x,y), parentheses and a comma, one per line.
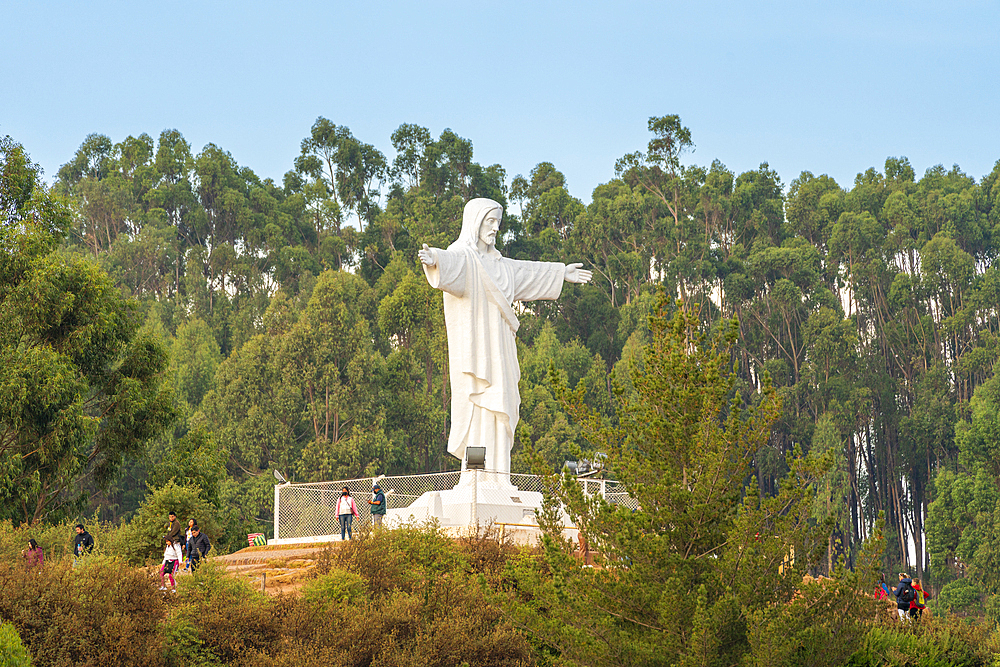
(831,87)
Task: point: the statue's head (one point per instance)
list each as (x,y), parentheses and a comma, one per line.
(476,211)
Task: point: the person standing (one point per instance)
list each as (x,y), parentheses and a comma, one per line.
(904,595)
(83,543)
(198,547)
(377,503)
(187,542)
(346,511)
(171,557)
(33,554)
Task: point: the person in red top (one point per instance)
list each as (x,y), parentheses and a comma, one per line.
(33,554)
(917,606)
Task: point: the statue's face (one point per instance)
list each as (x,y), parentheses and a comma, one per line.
(489,227)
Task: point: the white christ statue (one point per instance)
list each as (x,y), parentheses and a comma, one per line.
(479,286)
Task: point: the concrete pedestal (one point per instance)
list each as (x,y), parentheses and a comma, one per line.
(480,497)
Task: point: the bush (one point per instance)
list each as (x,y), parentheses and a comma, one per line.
(929,642)
(487,552)
(141,540)
(99,613)
(408,558)
(12,651)
(959,597)
(220,620)
(407,596)
(338,587)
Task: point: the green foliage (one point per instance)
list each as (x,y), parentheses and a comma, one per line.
(872,305)
(931,642)
(80,389)
(406,597)
(701,572)
(100,612)
(12,651)
(959,597)
(222,620)
(141,539)
(336,587)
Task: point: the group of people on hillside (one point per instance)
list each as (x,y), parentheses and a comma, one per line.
(347,510)
(910,596)
(83,544)
(177,543)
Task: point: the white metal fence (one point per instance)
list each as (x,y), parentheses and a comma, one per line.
(303,511)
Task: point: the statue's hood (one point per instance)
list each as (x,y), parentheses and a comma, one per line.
(476,211)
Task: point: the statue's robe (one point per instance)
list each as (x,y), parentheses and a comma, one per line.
(482,354)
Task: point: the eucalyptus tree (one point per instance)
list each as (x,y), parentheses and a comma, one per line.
(82,390)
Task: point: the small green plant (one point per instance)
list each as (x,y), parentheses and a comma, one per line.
(12,651)
(337,587)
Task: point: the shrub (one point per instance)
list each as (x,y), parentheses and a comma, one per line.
(929,642)
(487,552)
(142,538)
(451,625)
(12,651)
(959,597)
(408,558)
(99,613)
(220,619)
(338,587)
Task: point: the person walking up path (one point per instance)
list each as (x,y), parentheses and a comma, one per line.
(904,595)
(920,597)
(171,557)
(198,547)
(187,543)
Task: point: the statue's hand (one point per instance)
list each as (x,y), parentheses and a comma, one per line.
(575,273)
(426,255)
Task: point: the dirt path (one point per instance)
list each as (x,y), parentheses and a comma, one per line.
(274,570)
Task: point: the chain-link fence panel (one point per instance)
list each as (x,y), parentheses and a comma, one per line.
(310,510)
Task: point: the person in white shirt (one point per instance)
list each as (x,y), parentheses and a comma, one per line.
(171,556)
(346,511)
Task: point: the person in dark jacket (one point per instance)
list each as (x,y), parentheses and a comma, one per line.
(174,531)
(198,547)
(377,503)
(904,595)
(83,543)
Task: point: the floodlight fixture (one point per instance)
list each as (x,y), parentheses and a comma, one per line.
(475,458)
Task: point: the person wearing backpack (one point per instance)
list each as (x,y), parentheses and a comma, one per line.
(920,597)
(904,595)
